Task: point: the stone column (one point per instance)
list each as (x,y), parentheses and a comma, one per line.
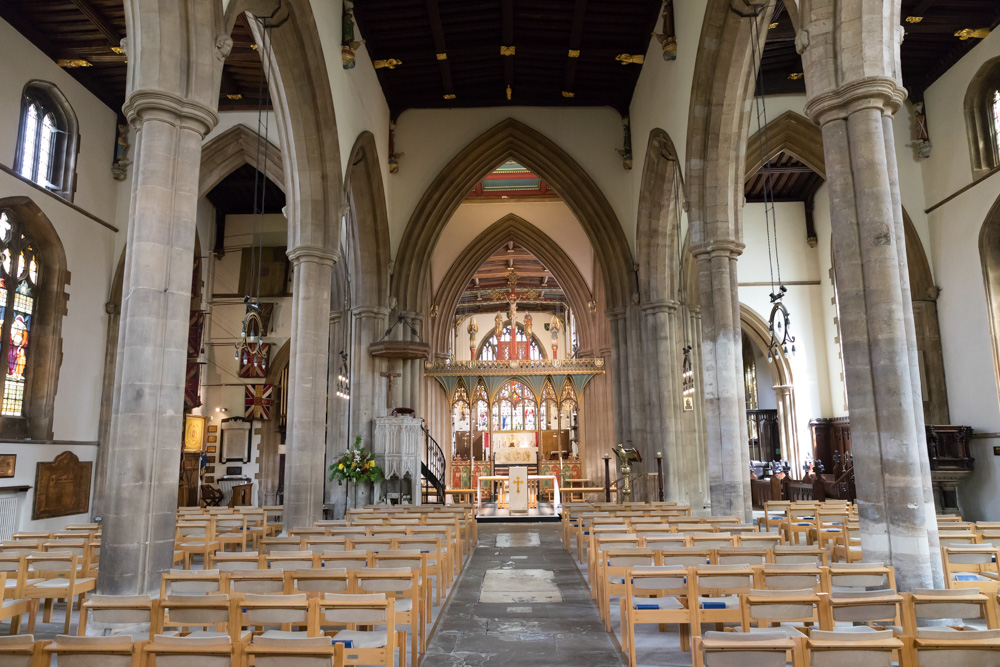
(368,388)
(337,435)
(896,509)
(148,408)
(722,374)
(662,353)
(619,376)
(305,442)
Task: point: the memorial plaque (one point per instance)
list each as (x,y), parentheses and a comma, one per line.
(62,487)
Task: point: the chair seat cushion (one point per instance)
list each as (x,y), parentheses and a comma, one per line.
(11,603)
(650,604)
(362,638)
(404,605)
(968,576)
(61,583)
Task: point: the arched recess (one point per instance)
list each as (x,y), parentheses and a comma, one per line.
(513,228)
(46,326)
(231,150)
(756,329)
(989,254)
(658,219)
(983,149)
(794,134)
(368,225)
(511,139)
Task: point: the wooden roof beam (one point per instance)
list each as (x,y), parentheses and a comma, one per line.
(440,47)
(575,40)
(98,21)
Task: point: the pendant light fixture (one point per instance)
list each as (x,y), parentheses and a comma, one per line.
(252,332)
(782,341)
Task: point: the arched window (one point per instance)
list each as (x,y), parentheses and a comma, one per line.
(982,117)
(514,408)
(49,139)
(481,408)
(18,286)
(489,350)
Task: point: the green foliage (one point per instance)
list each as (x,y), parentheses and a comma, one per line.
(357,464)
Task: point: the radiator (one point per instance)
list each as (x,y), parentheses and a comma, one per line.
(8,517)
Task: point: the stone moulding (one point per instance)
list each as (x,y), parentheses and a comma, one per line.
(588,366)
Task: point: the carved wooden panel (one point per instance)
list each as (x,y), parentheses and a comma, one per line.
(62,487)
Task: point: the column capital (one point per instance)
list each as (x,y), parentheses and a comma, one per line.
(149,104)
(718,248)
(370,311)
(312,253)
(876,92)
(615,313)
(413,316)
(660,306)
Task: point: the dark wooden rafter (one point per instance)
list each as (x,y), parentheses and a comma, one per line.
(507,40)
(98,21)
(575,42)
(440,46)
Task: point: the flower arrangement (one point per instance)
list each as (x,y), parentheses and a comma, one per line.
(357,464)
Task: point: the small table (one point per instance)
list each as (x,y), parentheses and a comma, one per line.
(574,496)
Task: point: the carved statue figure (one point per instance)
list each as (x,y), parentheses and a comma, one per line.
(498,326)
(527,325)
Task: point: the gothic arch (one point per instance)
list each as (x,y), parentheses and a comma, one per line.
(368,225)
(232,149)
(658,219)
(983,149)
(46,326)
(512,139)
(756,328)
(989,254)
(512,228)
(506,323)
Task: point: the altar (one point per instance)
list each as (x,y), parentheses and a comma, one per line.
(511,505)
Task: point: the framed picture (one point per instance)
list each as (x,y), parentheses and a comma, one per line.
(7,462)
(194,433)
(211,449)
(213,438)
(213,428)
(688,403)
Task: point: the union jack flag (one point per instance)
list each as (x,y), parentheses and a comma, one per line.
(258,401)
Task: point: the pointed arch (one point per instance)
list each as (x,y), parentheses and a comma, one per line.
(658,219)
(790,133)
(989,254)
(368,225)
(237,146)
(511,139)
(513,228)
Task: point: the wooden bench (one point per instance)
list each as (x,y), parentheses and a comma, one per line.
(581,490)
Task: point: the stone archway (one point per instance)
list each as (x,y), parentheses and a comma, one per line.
(756,329)
(989,254)
(797,135)
(237,146)
(512,228)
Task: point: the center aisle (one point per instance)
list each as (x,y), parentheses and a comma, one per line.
(520,601)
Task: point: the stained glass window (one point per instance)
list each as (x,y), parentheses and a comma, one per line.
(37,142)
(18,283)
(996,116)
(515,408)
(488,351)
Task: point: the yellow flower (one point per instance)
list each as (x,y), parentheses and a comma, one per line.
(341,466)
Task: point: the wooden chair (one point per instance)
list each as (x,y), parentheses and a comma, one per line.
(762,608)
(190,582)
(684,557)
(851,649)
(615,567)
(231,562)
(435,562)
(734,649)
(948,604)
(195,538)
(801,554)
(60,580)
(124,611)
(211,496)
(936,647)
(752,556)
(350,560)
(791,576)
(799,520)
(775,513)
(316,582)
(183,651)
(13,608)
(280,650)
(108,651)
(859,576)
(362,647)
(270,545)
(865,607)
(260,582)
(654,595)
(714,594)
(232,530)
(971,566)
(286,611)
(403,586)
(289,560)
(761,540)
(23,651)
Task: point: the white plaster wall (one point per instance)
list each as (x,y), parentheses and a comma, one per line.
(950,168)
(96,189)
(799,264)
(554,218)
(828,308)
(230,119)
(357,96)
(432,137)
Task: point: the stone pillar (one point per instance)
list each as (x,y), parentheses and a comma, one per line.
(337,427)
(148,408)
(722,374)
(619,376)
(368,388)
(662,354)
(896,509)
(305,442)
